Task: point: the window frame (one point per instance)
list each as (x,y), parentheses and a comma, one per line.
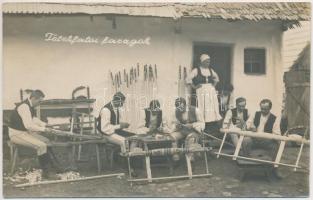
(265,61)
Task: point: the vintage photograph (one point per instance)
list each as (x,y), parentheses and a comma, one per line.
(156,99)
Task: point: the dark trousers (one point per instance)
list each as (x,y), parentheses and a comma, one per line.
(271,146)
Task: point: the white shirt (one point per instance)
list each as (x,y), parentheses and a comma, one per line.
(141,128)
(227,123)
(106,126)
(263,120)
(204,71)
(30,123)
(170,123)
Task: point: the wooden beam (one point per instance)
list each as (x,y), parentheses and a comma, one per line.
(298,157)
(280,152)
(262,161)
(73,135)
(220,149)
(238,147)
(189,167)
(64,181)
(148,169)
(170,177)
(265,136)
(166,151)
(211,136)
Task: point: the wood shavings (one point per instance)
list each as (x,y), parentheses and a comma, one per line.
(71,175)
(32,176)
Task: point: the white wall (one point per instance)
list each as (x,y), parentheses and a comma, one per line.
(57,68)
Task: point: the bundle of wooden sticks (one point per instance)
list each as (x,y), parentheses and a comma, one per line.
(139,85)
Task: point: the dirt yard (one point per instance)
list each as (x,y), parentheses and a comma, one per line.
(223,183)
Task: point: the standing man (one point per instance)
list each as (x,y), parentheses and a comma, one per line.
(24,130)
(108,122)
(236,119)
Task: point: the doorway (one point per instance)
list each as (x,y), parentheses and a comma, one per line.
(221,56)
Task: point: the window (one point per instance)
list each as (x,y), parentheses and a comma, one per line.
(254,61)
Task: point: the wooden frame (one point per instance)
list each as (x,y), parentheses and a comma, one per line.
(281,139)
(164,152)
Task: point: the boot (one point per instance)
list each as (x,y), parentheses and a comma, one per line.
(132,171)
(175,157)
(44,165)
(54,162)
(277,174)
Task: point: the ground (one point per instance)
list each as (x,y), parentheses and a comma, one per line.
(224,182)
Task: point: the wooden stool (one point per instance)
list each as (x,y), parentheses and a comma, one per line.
(252,167)
(13,156)
(109,150)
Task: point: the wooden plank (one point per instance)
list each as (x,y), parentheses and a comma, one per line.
(298,157)
(298,99)
(238,147)
(296,85)
(73,135)
(280,152)
(189,168)
(220,149)
(170,177)
(211,136)
(262,161)
(167,151)
(148,169)
(65,181)
(266,136)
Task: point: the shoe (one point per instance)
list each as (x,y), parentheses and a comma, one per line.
(175,157)
(49,175)
(192,158)
(55,164)
(133,173)
(277,174)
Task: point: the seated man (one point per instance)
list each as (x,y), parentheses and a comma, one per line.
(265,121)
(186,124)
(225,97)
(236,119)
(25,130)
(108,122)
(151,119)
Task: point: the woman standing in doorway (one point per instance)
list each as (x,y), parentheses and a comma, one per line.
(203,79)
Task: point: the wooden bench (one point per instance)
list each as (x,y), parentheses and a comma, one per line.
(108,150)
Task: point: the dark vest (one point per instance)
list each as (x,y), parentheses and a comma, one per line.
(268,127)
(235,115)
(200,79)
(16,121)
(192,117)
(159,118)
(113,118)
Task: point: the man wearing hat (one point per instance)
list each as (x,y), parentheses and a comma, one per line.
(25,129)
(151,119)
(186,124)
(108,122)
(203,79)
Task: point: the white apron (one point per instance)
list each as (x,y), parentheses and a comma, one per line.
(207,102)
